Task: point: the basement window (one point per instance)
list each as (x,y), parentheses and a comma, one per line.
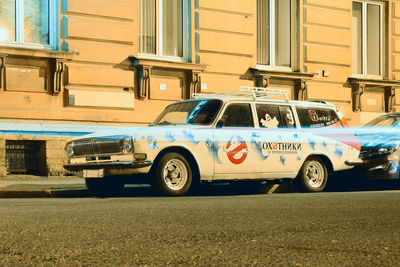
(26,157)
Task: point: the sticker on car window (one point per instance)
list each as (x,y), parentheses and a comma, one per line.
(269,122)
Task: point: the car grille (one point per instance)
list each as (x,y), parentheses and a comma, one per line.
(98,145)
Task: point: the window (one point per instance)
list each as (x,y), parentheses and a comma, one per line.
(274,33)
(238,115)
(193,112)
(273,116)
(367,38)
(318,117)
(163,27)
(29,23)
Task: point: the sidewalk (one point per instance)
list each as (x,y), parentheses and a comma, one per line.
(28,186)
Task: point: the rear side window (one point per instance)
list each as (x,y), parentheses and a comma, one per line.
(274,116)
(318,117)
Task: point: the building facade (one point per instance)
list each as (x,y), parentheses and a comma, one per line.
(70,67)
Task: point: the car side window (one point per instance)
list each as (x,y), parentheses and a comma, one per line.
(287,116)
(274,116)
(268,116)
(317,117)
(238,115)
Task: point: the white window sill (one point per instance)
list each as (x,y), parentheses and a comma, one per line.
(369,77)
(161,58)
(276,68)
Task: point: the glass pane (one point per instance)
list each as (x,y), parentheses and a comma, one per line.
(357,38)
(36,21)
(282,33)
(147,30)
(263,32)
(238,115)
(172,33)
(7,20)
(268,116)
(373,39)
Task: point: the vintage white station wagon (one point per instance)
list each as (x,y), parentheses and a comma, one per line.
(242,135)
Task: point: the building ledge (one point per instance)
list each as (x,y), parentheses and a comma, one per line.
(372,82)
(284,74)
(34,52)
(144,67)
(165,64)
(360,84)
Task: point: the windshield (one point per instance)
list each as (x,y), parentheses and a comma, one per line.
(384,121)
(201,112)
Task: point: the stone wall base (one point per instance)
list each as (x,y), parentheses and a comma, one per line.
(51,156)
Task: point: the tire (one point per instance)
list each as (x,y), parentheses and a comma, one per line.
(102,187)
(313,176)
(173,175)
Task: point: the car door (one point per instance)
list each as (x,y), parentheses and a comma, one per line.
(278,140)
(235,157)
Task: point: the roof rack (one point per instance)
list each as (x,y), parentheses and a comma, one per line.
(256,93)
(319,101)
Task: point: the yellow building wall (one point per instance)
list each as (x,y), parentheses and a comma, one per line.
(226,40)
(102,34)
(327,48)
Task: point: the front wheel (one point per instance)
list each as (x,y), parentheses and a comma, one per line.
(173,174)
(313,176)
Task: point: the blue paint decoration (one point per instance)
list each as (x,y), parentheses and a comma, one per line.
(213,148)
(152,142)
(258,146)
(283,160)
(311,143)
(170,136)
(190,137)
(338,150)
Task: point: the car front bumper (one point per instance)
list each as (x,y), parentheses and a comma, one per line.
(379,168)
(108,165)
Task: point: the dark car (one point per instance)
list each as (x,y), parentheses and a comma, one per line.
(380,148)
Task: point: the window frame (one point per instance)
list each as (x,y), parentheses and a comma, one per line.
(186,33)
(19,28)
(364,5)
(226,105)
(282,123)
(272,38)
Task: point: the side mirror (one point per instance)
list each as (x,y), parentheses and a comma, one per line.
(220,123)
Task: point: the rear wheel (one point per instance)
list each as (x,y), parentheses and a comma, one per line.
(173,174)
(313,176)
(104,186)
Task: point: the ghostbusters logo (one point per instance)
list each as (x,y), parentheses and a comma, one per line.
(236,150)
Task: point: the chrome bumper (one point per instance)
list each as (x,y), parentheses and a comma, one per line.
(354,162)
(107,165)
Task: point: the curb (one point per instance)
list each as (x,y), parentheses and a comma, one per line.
(45,194)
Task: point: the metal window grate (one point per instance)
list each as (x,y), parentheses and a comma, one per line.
(23,157)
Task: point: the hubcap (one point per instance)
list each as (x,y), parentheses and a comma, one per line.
(175,174)
(315,174)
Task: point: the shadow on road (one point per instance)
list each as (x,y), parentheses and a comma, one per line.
(347,181)
(340,182)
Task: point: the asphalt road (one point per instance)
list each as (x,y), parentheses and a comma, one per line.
(324,229)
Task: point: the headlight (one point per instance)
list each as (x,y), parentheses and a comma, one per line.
(69,149)
(381,151)
(127,145)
